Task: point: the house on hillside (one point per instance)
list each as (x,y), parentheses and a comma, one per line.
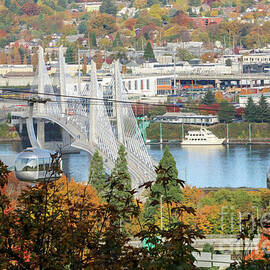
(130,12)
(202,22)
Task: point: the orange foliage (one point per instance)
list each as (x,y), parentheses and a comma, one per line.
(3,57)
(130,23)
(263,246)
(205,219)
(182,19)
(14,187)
(3,33)
(75,192)
(219,96)
(192,195)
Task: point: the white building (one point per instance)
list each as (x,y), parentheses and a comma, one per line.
(187,118)
(256,58)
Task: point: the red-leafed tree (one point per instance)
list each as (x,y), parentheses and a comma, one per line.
(209,109)
(3,33)
(182,18)
(30,9)
(130,23)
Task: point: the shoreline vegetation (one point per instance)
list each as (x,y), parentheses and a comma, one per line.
(8,133)
(238,133)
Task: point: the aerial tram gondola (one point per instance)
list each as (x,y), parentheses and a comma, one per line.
(34,165)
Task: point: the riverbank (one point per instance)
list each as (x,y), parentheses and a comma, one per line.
(238,133)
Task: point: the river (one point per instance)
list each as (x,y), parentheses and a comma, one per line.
(206,166)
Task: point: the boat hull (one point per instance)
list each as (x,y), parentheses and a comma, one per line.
(207,142)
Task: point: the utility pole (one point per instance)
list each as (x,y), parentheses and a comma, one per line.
(79,75)
(161,213)
(174,79)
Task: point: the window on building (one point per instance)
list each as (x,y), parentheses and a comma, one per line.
(141,84)
(129,85)
(135,84)
(147,84)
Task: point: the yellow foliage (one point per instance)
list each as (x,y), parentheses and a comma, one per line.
(172,30)
(214,13)
(139,4)
(2,7)
(192,195)
(156,11)
(219,96)
(233,15)
(181,4)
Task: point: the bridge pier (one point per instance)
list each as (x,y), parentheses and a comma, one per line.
(41,133)
(66,139)
(20,125)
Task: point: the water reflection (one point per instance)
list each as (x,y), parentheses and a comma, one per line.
(220,166)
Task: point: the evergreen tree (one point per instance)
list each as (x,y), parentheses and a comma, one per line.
(82,28)
(148,52)
(209,98)
(251,111)
(93,39)
(70,55)
(226,112)
(97,175)
(121,180)
(172,191)
(117,41)
(263,110)
(7,3)
(108,7)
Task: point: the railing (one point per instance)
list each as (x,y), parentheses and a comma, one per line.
(207,259)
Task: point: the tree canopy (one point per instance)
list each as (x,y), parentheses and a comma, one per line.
(108,7)
(209,98)
(172,190)
(97,175)
(226,112)
(148,52)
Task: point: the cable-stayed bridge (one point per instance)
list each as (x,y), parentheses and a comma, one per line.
(82,113)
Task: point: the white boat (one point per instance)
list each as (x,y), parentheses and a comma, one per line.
(201,137)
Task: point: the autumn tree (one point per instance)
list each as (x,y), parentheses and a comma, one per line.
(98,59)
(34,61)
(63,224)
(30,9)
(102,24)
(9,59)
(17,57)
(184,54)
(130,23)
(208,57)
(3,57)
(140,4)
